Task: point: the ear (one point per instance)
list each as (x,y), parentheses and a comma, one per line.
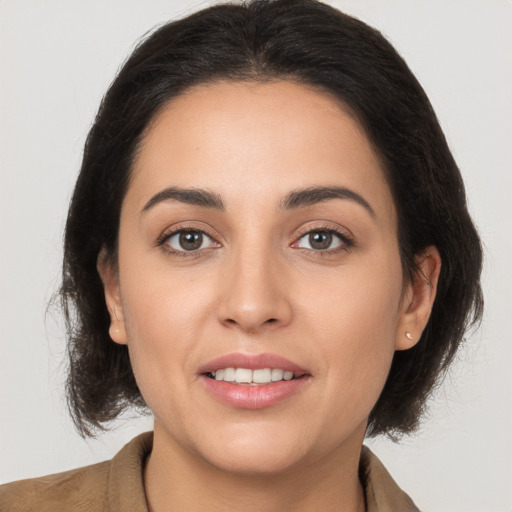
(110,279)
(418,298)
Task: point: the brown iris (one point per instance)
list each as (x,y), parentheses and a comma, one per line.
(320,240)
(191,240)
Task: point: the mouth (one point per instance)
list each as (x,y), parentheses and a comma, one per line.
(247,381)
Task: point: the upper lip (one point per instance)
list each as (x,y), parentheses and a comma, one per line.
(252,362)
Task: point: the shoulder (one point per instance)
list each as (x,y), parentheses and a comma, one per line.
(100,487)
(381,491)
(79,489)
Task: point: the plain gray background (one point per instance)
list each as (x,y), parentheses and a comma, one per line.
(56,61)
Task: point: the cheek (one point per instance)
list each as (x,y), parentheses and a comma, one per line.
(354,321)
(162,312)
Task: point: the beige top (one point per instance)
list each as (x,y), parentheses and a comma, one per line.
(117,486)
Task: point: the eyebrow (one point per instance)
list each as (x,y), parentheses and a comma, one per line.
(193,196)
(313,195)
(295,199)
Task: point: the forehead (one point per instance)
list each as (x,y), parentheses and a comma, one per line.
(249,140)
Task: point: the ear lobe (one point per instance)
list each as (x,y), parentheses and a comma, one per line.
(419,298)
(110,280)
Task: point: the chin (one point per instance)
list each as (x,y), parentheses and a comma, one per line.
(254,460)
(257,449)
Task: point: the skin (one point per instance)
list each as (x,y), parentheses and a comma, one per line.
(258,285)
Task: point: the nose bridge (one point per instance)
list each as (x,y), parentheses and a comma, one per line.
(253,295)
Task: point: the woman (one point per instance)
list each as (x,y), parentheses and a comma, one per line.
(268,247)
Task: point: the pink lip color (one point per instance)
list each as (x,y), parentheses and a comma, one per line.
(245,396)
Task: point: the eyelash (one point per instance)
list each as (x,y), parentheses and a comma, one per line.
(346,241)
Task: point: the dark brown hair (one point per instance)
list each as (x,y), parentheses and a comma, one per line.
(310,43)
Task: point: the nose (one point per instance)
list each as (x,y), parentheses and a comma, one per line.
(254,293)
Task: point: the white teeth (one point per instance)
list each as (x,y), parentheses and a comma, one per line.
(277,374)
(262,376)
(229,374)
(243,375)
(247,376)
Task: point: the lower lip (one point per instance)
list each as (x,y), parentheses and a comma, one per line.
(260,396)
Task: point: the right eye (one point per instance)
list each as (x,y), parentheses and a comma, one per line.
(188,240)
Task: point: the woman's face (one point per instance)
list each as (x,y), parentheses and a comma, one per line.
(258,232)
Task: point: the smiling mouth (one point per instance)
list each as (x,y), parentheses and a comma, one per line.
(248,377)
(245,381)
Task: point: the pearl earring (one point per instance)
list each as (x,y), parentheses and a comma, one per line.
(408,335)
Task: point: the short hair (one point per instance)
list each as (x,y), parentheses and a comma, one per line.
(309,43)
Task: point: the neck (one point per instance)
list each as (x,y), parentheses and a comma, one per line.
(177,479)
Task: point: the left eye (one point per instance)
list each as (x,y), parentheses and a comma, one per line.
(189,240)
(320,240)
